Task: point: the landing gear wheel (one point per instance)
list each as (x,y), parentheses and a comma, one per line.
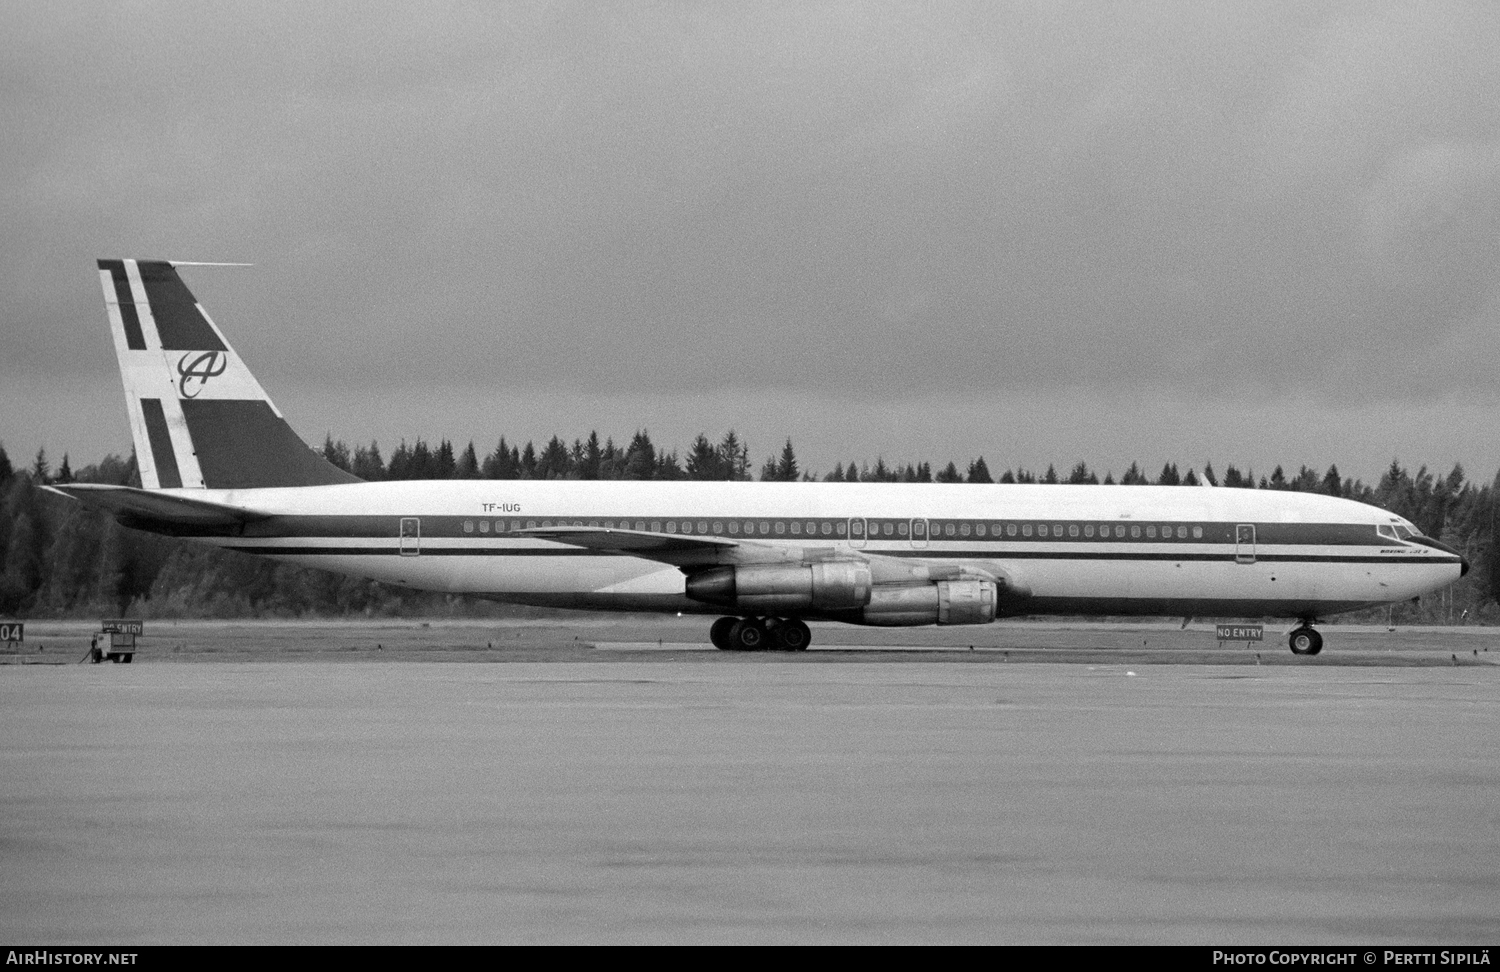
(747,634)
(792,635)
(1305,641)
(719,633)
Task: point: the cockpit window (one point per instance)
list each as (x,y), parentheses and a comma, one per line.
(1387,531)
(1405,533)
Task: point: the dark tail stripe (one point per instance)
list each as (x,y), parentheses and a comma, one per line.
(162,452)
(134,339)
(178,320)
(243,445)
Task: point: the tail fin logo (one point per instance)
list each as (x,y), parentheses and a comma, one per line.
(209,364)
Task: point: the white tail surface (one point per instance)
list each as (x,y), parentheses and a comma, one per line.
(198,416)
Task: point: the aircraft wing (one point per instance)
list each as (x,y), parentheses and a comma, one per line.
(692,552)
(668,548)
(146,506)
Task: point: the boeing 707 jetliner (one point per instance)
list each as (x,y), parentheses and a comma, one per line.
(220,465)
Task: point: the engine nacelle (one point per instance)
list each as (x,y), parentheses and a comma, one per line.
(945,602)
(777,588)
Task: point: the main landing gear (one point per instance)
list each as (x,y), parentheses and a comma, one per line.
(1304,640)
(760,634)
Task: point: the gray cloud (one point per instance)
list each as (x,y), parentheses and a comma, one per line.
(870,205)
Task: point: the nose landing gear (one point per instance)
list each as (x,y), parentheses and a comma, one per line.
(1304,640)
(760,634)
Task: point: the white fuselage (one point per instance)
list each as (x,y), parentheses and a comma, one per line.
(1068,549)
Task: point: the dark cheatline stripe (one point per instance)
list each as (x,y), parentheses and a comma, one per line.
(392,550)
(134,339)
(162,452)
(241,444)
(179,323)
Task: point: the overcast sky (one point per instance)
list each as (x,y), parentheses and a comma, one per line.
(1250,233)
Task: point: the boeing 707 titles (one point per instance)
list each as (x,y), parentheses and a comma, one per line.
(220,465)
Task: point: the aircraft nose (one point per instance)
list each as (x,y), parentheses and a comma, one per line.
(1463,566)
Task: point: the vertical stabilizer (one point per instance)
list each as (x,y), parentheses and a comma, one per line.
(198,416)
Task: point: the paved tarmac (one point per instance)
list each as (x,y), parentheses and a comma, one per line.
(626,794)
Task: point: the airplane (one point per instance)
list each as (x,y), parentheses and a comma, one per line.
(220,465)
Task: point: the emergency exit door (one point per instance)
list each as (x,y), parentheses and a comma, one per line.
(411,536)
(1244,543)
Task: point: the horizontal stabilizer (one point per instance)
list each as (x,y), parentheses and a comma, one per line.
(130,505)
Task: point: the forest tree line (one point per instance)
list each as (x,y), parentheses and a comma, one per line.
(58,559)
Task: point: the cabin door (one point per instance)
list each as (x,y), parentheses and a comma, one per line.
(1244,543)
(411,536)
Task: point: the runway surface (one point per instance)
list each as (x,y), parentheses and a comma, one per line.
(632,794)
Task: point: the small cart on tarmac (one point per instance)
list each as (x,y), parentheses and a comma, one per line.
(122,633)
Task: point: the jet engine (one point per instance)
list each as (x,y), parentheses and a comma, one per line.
(945,602)
(781,588)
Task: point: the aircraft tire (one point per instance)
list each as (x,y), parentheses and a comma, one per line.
(748,634)
(1305,641)
(791,634)
(718,634)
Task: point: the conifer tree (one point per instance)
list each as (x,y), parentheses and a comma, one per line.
(593,456)
(640,457)
(444,465)
(787,470)
(468,463)
(735,454)
(337,453)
